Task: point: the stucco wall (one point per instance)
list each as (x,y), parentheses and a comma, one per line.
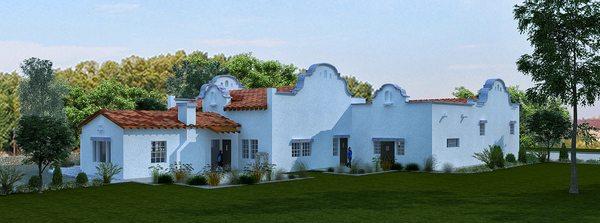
(100,127)
(311,113)
(397,119)
(459,121)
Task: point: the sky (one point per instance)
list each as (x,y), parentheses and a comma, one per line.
(426,47)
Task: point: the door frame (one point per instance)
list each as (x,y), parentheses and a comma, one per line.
(226,152)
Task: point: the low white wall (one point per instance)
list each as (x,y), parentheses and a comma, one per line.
(580,155)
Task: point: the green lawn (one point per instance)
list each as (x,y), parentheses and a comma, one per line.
(535,193)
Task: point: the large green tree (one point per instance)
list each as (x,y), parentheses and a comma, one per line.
(548,126)
(191,73)
(463,92)
(359,88)
(45,140)
(565,63)
(9,108)
(255,73)
(39,93)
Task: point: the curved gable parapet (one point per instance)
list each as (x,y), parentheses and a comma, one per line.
(224,89)
(402,91)
(487,87)
(311,70)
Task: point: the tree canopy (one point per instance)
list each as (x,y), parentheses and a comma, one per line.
(359,89)
(9,107)
(39,93)
(463,92)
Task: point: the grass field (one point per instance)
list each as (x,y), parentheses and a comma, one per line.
(535,193)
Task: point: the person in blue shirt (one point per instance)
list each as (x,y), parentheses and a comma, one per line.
(349,157)
(220,158)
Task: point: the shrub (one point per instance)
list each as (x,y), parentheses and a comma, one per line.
(511,158)
(279,174)
(81,179)
(8,177)
(181,171)
(57,177)
(291,176)
(213,175)
(492,157)
(592,161)
(34,183)
(197,180)
(563,154)
(361,171)
(412,167)
(97,182)
(430,164)
(234,176)
(330,169)
(155,172)
(107,171)
(376,164)
(530,158)
(248,179)
(473,169)
(448,168)
(342,169)
(165,179)
(522,155)
(300,168)
(396,166)
(354,166)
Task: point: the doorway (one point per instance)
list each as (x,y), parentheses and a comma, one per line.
(343,150)
(387,152)
(224,145)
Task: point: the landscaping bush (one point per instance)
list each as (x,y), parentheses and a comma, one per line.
(511,158)
(448,168)
(181,171)
(300,169)
(57,177)
(97,182)
(165,179)
(248,179)
(354,167)
(330,169)
(279,174)
(492,157)
(592,161)
(396,166)
(197,180)
(107,171)
(530,158)
(563,154)
(34,183)
(234,176)
(342,169)
(213,175)
(473,169)
(430,164)
(361,171)
(413,167)
(155,172)
(522,155)
(81,179)
(291,176)
(376,164)
(8,177)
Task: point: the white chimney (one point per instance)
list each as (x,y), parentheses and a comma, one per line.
(171,101)
(186,111)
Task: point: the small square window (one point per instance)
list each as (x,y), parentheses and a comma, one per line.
(158,153)
(512,128)
(452,142)
(481,128)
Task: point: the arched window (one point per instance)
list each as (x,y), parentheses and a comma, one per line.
(213,99)
(226,83)
(388,97)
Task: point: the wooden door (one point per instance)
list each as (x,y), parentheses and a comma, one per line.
(226,145)
(387,152)
(343,150)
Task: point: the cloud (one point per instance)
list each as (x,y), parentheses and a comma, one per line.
(14,52)
(116,8)
(226,42)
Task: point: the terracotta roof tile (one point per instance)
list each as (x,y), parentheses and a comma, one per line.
(441,100)
(139,119)
(285,89)
(247,99)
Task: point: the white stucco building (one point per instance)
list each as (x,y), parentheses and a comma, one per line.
(314,121)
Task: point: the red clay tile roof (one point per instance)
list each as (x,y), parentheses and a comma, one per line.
(138,119)
(247,99)
(285,89)
(441,100)
(592,122)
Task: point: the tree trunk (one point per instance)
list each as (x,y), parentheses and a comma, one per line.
(41,184)
(574,188)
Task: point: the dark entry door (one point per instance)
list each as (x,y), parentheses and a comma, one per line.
(343,150)
(387,152)
(226,152)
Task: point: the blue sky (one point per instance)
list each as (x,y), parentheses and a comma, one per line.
(426,47)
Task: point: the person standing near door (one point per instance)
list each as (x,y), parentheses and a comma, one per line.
(220,158)
(349,157)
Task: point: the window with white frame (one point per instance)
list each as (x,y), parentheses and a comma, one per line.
(101,151)
(400,147)
(158,152)
(376,147)
(306,150)
(512,128)
(296,149)
(336,146)
(253,148)
(452,142)
(482,128)
(245,149)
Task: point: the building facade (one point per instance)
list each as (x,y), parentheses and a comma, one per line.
(314,122)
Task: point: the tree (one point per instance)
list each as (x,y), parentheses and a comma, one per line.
(150,104)
(359,89)
(9,108)
(586,133)
(565,64)
(463,92)
(191,73)
(40,94)
(255,73)
(548,126)
(45,140)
